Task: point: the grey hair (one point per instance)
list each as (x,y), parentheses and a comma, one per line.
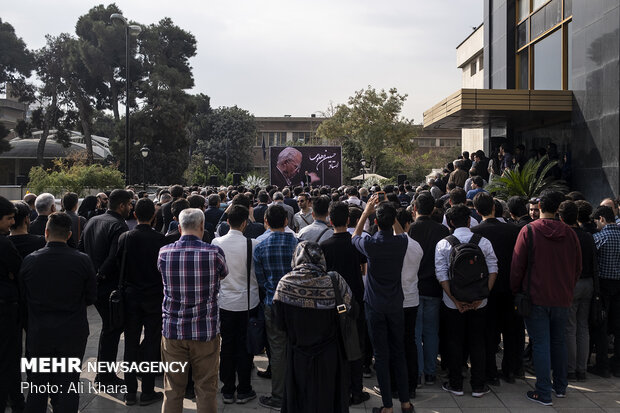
(288,153)
(44,202)
(165,198)
(278,196)
(192,219)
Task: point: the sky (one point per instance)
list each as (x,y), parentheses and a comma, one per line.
(292,57)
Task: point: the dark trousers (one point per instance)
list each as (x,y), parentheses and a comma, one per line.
(235,361)
(141,313)
(65,400)
(610,293)
(411,349)
(502,319)
(465,328)
(386,334)
(356,367)
(10,354)
(109,337)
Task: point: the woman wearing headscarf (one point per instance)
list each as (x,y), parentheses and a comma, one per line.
(305,306)
(88,207)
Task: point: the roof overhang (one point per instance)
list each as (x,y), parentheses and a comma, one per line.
(479,108)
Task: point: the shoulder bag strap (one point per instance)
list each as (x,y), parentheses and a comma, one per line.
(249,269)
(321,234)
(454,241)
(340,306)
(530,257)
(475,239)
(121,278)
(302,217)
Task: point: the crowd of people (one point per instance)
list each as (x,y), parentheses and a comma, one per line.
(428,277)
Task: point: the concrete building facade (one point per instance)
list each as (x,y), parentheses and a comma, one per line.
(551,75)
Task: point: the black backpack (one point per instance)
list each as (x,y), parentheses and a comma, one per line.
(469,274)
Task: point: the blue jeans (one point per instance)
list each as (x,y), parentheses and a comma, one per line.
(546,327)
(427,334)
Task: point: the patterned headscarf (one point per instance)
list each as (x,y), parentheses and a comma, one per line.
(309,285)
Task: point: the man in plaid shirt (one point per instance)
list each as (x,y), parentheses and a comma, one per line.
(608,253)
(272,260)
(191,272)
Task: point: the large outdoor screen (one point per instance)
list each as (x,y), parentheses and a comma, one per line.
(298,165)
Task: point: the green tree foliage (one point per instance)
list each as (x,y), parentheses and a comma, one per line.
(370,126)
(225,129)
(75,176)
(165,106)
(529,182)
(16,61)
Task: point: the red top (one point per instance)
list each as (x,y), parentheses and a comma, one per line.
(556,266)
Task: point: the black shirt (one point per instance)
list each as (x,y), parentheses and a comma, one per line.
(141,273)
(27,243)
(503,238)
(37,227)
(58,282)
(253,230)
(100,241)
(341,256)
(523,221)
(428,233)
(10,261)
(589,262)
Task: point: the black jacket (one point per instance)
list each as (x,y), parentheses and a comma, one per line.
(58,283)
(77,226)
(292,203)
(100,241)
(141,273)
(259,213)
(10,261)
(589,261)
(428,233)
(523,221)
(27,243)
(503,238)
(175,235)
(37,227)
(253,230)
(212,217)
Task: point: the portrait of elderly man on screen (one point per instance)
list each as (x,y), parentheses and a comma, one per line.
(289,167)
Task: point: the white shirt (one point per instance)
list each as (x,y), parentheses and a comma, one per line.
(409,274)
(233,288)
(472,222)
(442,259)
(262,237)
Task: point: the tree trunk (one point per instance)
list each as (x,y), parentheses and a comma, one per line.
(85,112)
(114,100)
(49,119)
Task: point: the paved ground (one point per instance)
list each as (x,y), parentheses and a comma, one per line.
(595,395)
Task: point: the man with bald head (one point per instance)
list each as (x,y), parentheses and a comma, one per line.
(608,202)
(289,165)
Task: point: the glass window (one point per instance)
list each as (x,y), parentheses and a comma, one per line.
(545,18)
(302,136)
(537,3)
(523,9)
(522,35)
(522,59)
(481,62)
(568,8)
(472,68)
(548,62)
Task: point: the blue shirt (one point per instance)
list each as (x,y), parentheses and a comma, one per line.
(608,252)
(472,193)
(272,261)
(385,253)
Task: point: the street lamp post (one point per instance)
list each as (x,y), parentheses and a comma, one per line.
(129,29)
(145,153)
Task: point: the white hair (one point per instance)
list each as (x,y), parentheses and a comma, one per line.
(191,219)
(44,203)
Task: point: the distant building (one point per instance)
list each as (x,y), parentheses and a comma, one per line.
(551,75)
(470,59)
(282,131)
(15,163)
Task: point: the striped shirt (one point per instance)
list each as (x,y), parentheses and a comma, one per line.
(191,271)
